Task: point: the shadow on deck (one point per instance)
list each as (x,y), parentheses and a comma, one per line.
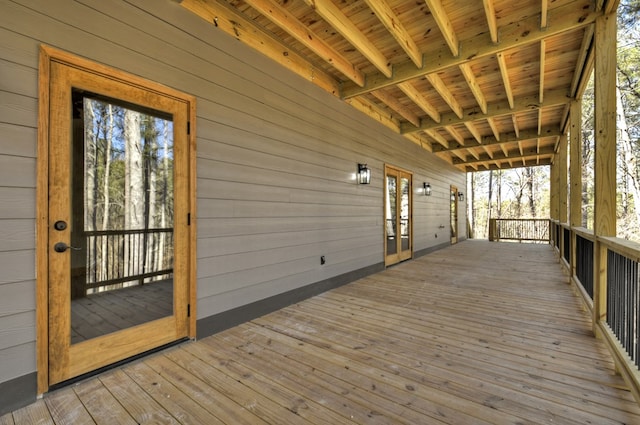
(476,333)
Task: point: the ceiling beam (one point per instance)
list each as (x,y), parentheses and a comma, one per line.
(445,93)
(535,162)
(494,128)
(526,103)
(544,11)
(473,130)
(492,22)
(444,24)
(392,23)
(502,156)
(374,111)
(504,72)
(561,19)
(343,25)
(543,52)
(523,136)
(472,82)
(298,30)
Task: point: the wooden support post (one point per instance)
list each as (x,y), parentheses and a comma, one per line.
(561,159)
(605,155)
(553,201)
(575,176)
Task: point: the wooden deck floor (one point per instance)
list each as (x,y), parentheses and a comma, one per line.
(479,333)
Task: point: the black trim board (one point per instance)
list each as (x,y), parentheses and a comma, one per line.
(18,392)
(228,319)
(422,252)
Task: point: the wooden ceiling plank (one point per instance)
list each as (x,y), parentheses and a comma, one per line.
(392,23)
(492,22)
(553,97)
(298,30)
(235,25)
(420,100)
(543,51)
(574,15)
(471,80)
(445,93)
(444,24)
(394,104)
(504,72)
(343,25)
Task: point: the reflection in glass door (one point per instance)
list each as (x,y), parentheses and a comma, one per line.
(398,224)
(122,234)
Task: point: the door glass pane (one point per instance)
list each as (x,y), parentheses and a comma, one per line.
(390,214)
(404,213)
(122,216)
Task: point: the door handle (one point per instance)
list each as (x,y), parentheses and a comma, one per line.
(62,247)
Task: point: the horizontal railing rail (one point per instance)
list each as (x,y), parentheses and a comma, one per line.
(135,257)
(519,229)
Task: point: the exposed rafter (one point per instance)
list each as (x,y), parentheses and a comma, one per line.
(442,96)
(566,18)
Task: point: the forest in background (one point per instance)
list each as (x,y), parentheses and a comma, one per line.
(525,192)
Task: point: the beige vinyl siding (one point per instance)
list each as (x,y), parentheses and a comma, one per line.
(276,158)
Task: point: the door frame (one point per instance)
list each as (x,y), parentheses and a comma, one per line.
(47,56)
(400,255)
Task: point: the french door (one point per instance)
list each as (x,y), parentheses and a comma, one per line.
(454,214)
(398,228)
(118,242)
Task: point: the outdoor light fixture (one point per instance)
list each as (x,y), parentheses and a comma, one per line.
(364,174)
(427,188)
(460,196)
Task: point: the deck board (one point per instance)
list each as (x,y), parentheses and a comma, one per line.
(478,333)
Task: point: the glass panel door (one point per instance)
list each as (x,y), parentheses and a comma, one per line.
(454,214)
(118,206)
(398,225)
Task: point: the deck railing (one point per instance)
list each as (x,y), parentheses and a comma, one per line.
(126,257)
(606,272)
(519,229)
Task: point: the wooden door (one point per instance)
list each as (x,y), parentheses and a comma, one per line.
(398,229)
(119,198)
(454,214)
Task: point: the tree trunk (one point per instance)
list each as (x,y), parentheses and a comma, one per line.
(134,198)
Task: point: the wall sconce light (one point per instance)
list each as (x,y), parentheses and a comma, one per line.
(461,196)
(364,174)
(427,188)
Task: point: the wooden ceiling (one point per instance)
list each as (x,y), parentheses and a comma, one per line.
(484,84)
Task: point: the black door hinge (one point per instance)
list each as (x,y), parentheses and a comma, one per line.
(188,310)
(188,127)
(189,219)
